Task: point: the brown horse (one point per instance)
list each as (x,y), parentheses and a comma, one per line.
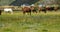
(26,10)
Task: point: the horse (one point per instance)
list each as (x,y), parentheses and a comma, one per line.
(42,9)
(8,10)
(34,9)
(50,8)
(26,10)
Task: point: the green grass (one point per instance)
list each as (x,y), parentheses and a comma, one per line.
(41,22)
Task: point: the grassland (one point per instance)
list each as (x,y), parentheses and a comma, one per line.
(40,22)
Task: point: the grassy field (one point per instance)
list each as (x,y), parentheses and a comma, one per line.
(40,22)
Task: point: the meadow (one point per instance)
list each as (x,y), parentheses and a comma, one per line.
(40,22)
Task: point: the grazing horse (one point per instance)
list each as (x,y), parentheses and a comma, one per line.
(33,9)
(26,10)
(7,10)
(49,8)
(56,8)
(42,9)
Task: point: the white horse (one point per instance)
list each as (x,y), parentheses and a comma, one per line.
(8,10)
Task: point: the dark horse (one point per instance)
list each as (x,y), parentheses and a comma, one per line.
(26,10)
(50,8)
(42,9)
(34,9)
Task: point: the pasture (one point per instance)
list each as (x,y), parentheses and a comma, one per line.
(40,22)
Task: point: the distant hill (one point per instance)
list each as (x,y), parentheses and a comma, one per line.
(20,2)
(49,2)
(5,2)
(17,2)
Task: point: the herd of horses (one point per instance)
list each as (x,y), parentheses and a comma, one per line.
(38,9)
(33,9)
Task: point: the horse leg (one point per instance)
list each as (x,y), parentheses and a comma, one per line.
(30,12)
(44,11)
(0,12)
